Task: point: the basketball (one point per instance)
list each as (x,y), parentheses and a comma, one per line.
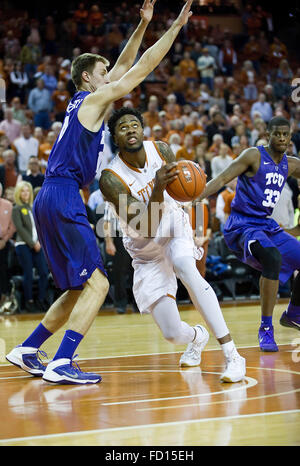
(190,182)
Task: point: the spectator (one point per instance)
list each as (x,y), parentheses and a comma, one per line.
(176,85)
(9,175)
(240,130)
(60,99)
(164,122)
(34,175)
(7,230)
(95,19)
(49,79)
(56,127)
(173,110)
(19,82)
(39,101)
(4,145)
(253,52)
(30,55)
(188,68)
(157,133)
(284,71)
(223,204)
(259,131)
(174,142)
(194,128)
(217,126)
(263,107)
(45,149)
(10,126)
(227,58)
(212,48)
(206,65)
(248,79)
(11,45)
(17,111)
(282,89)
(221,161)
(28,248)
(80,17)
(187,152)
(26,145)
(151,117)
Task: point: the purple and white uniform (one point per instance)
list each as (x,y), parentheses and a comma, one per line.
(250,220)
(60,215)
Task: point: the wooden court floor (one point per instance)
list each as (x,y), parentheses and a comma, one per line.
(145,398)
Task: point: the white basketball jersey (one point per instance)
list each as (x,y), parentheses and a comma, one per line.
(139,183)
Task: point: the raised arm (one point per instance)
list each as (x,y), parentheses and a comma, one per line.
(128,55)
(248,161)
(96,102)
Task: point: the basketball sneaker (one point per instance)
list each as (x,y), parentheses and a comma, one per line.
(266,339)
(287,321)
(235,368)
(28,359)
(192,355)
(67,372)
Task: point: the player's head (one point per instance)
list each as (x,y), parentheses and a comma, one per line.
(126,127)
(279,133)
(89,71)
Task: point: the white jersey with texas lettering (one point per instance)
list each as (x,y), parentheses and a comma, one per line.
(139,183)
(153,257)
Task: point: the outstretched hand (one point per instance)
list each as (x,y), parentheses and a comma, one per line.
(185,13)
(146,11)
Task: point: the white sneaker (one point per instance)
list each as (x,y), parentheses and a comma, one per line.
(65,371)
(192,355)
(235,368)
(27,358)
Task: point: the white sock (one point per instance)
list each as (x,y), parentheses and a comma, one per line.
(229,349)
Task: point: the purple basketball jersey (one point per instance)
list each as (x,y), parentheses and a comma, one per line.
(76,151)
(257,195)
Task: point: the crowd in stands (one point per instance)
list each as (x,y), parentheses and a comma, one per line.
(210,98)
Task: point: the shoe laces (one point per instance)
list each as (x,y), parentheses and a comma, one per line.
(40,353)
(193,351)
(268,334)
(74,364)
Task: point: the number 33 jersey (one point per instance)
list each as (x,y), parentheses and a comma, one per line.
(257,195)
(76,151)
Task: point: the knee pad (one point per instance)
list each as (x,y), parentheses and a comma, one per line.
(269,258)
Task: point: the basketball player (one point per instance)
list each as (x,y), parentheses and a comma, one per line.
(63,229)
(161,245)
(249,231)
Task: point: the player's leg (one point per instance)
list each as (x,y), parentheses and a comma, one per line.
(166,315)
(270,260)
(26,355)
(291,317)
(206,302)
(61,370)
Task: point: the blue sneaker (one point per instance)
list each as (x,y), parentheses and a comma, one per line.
(266,339)
(287,321)
(67,372)
(28,359)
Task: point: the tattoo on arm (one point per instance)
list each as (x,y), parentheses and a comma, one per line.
(112,189)
(166,151)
